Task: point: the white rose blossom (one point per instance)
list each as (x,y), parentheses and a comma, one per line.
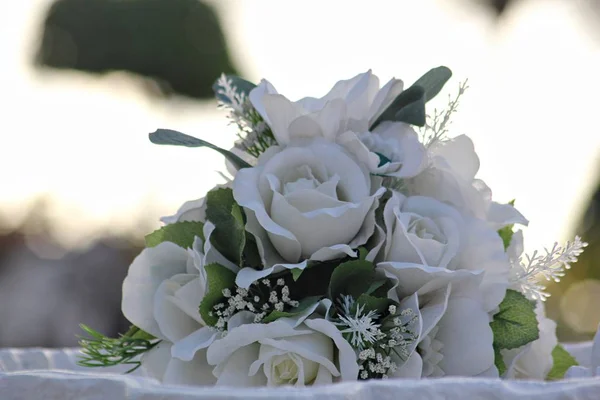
(161,294)
(352,104)
(280,353)
(450,178)
(308,201)
(423,230)
(455,337)
(399,143)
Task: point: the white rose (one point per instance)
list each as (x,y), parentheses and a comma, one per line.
(278,354)
(352,104)
(534,360)
(399,143)
(450,178)
(425,231)
(162,292)
(312,201)
(455,338)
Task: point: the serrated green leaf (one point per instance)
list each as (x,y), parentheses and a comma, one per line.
(180,233)
(229,236)
(499,361)
(241,86)
(515,324)
(175,138)
(351,278)
(303,305)
(433,81)
(218,278)
(562,361)
(371,303)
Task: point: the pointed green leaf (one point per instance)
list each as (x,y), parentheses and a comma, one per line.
(499,361)
(507,232)
(351,278)
(376,285)
(229,236)
(296,272)
(303,305)
(563,360)
(180,233)
(240,85)
(433,81)
(175,138)
(515,324)
(409,106)
(219,278)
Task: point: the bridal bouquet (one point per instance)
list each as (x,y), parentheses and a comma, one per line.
(352,242)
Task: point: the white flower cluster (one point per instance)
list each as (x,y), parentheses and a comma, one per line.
(349,248)
(253,300)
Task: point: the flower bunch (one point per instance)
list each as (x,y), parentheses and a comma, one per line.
(346,246)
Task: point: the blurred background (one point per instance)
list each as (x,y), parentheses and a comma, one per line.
(84,81)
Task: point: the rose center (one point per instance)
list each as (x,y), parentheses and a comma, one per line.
(284,370)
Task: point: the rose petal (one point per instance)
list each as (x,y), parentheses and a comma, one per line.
(172,321)
(196,372)
(194,210)
(186,348)
(467,337)
(155,361)
(346,357)
(235,371)
(148,270)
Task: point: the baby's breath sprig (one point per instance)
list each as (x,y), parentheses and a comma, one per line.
(261,298)
(99,350)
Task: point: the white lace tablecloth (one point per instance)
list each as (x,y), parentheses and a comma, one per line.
(30,374)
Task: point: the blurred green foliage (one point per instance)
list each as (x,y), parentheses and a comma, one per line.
(179,43)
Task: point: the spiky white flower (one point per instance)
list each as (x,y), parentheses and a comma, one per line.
(362,328)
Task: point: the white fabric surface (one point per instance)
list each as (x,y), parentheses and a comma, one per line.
(53,375)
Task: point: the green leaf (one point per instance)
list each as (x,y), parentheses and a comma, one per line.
(515,324)
(376,285)
(351,278)
(219,278)
(499,361)
(383,159)
(433,81)
(296,272)
(241,86)
(175,138)
(371,303)
(563,360)
(409,105)
(303,305)
(180,233)
(229,236)
(506,233)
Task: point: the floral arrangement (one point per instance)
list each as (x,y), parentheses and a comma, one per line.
(352,242)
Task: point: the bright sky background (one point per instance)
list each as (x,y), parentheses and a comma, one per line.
(530,110)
